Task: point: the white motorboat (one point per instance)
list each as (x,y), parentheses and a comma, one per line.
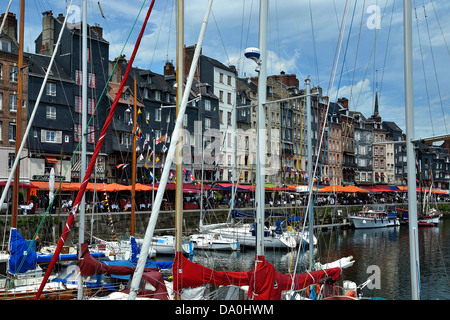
(209,241)
(380,216)
(246,235)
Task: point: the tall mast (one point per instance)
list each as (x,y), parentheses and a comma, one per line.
(310,171)
(82,175)
(18,115)
(411,168)
(179,149)
(261,130)
(133,179)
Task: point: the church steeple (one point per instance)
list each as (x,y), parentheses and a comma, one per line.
(375,109)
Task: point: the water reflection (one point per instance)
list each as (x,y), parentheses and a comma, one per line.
(384,250)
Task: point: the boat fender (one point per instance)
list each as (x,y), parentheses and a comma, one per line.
(289,228)
(351,293)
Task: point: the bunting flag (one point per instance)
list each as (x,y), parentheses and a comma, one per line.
(192,177)
(146,166)
(141,157)
(138,149)
(139,111)
(163,138)
(171,175)
(164,148)
(120,165)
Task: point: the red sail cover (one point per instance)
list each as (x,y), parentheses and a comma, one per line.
(89,266)
(264,282)
(187,274)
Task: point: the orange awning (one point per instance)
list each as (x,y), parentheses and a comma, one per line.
(51,159)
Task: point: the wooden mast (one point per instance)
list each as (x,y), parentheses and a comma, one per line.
(18,116)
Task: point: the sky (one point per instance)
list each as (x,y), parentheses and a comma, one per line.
(350,48)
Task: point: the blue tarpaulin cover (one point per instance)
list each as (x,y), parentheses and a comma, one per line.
(18,249)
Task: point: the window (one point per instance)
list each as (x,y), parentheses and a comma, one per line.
(1,101)
(221,77)
(92,80)
(51,113)
(207,123)
(1,72)
(91,134)
(50,136)
(13,74)
(125,138)
(5,45)
(78,104)
(91,105)
(221,96)
(221,116)
(78,133)
(147,115)
(1,127)
(12,132)
(11,158)
(12,102)
(157,95)
(229,80)
(229,98)
(157,114)
(78,77)
(51,89)
(229,118)
(207,105)
(185,120)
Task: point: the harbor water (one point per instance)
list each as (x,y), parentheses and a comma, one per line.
(380,254)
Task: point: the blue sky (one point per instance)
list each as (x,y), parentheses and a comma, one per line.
(303,37)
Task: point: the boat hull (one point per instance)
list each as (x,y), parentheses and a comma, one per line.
(246,237)
(369,223)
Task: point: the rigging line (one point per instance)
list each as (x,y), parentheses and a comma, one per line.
(220,36)
(159,33)
(434,65)
(357,51)
(314,42)
(440,27)
(169,33)
(386,52)
(242,35)
(423,67)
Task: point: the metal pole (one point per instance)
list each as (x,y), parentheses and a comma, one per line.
(310,172)
(261,131)
(411,168)
(133,169)
(179,149)
(83,136)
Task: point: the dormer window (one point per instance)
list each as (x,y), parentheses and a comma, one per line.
(5,45)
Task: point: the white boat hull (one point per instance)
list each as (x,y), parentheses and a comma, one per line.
(361,222)
(213,242)
(165,245)
(245,237)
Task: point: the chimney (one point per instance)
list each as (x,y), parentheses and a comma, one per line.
(344,102)
(60,18)
(117,75)
(10,27)
(48,33)
(169,69)
(188,57)
(98,31)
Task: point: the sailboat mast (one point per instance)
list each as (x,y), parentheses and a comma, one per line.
(261,133)
(411,168)
(82,175)
(133,178)
(19,115)
(310,171)
(179,149)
